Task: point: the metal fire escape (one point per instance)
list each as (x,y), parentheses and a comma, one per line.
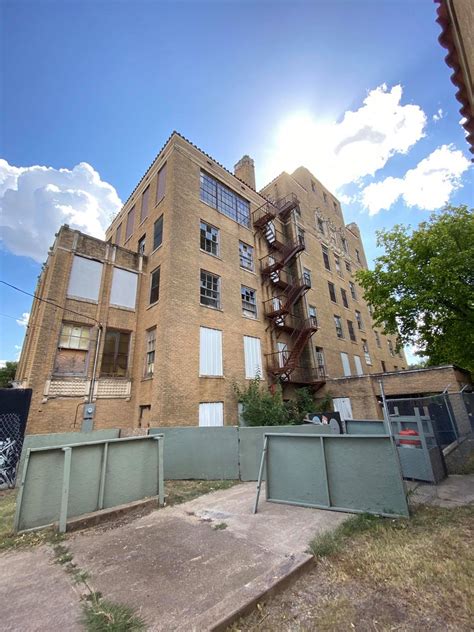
(287,291)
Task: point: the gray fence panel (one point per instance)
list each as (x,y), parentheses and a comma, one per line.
(362,473)
(363,426)
(200,453)
(251,445)
(62,438)
(127,468)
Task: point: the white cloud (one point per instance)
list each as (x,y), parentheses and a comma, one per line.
(438,116)
(346,151)
(36,201)
(428,186)
(23,321)
(3,364)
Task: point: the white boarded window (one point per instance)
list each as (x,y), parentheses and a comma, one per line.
(124,288)
(345,364)
(253,357)
(211,414)
(210,352)
(85,278)
(358,365)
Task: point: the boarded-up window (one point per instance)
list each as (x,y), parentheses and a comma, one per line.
(161,184)
(158,233)
(85,278)
(71,357)
(115,354)
(155,286)
(210,352)
(124,288)
(346,367)
(130,223)
(211,414)
(253,357)
(118,234)
(145,202)
(358,365)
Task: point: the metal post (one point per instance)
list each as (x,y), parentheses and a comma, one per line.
(161,482)
(260,473)
(386,414)
(65,490)
(103,472)
(326,480)
(446,403)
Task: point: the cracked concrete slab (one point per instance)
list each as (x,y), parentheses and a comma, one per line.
(36,594)
(182,573)
(454,491)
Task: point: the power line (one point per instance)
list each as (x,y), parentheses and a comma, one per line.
(49,302)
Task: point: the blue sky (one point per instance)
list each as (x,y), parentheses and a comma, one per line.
(357,91)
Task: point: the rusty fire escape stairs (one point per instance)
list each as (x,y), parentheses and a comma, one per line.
(274,268)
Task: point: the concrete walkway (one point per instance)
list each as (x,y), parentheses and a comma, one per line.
(190,566)
(454,491)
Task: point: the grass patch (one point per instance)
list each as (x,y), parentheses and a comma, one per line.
(100,615)
(178,492)
(464,467)
(382,574)
(220,526)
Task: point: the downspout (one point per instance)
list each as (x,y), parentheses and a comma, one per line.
(96,359)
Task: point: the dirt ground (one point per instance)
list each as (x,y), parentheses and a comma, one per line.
(398,575)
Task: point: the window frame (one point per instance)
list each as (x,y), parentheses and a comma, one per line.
(225,200)
(345,302)
(117,333)
(359,321)
(244,256)
(150,353)
(130,225)
(332,294)
(160,223)
(155,286)
(248,313)
(205,226)
(327,263)
(339,328)
(217,290)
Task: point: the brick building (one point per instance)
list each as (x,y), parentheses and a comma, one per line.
(202,282)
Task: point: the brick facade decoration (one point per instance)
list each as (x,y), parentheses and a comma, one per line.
(200,283)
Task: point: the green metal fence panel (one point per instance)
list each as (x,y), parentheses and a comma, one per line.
(62,438)
(251,444)
(357,473)
(363,426)
(63,482)
(200,453)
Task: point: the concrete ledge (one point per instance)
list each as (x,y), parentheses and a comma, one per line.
(97,517)
(278,579)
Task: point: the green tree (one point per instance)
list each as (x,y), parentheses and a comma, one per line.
(7,374)
(422,287)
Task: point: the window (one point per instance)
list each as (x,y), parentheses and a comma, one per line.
(249,301)
(145,202)
(211,414)
(155,286)
(327,265)
(337,263)
(332,292)
(282,354)
(345,247)
(300,235)
(348,267)
(365,348)
(360,324)
(358,256)
(210,289)
(344,297)
(209,239)
(321,363)
(338,323)
(352,290)
(384,368)
(390,347)
(150,352)
(118,234)
(71,356)
(158,233)
(358,365)
(223,199)
(124,288)
(346,366)
(130,223)
(313,186)
(115,354)
(325,197)
(141,245)
(350,327)
(313,315)
(377,339)
(85,278)
(246,256)
(334,203)
(253,357)
(320,225)
(161,184)
(210,352)
(307,277)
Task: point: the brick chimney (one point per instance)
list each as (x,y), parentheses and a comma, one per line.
(245,170)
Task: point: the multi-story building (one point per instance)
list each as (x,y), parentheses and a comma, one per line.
(202,283)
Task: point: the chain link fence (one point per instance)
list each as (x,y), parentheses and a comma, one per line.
(11,443)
